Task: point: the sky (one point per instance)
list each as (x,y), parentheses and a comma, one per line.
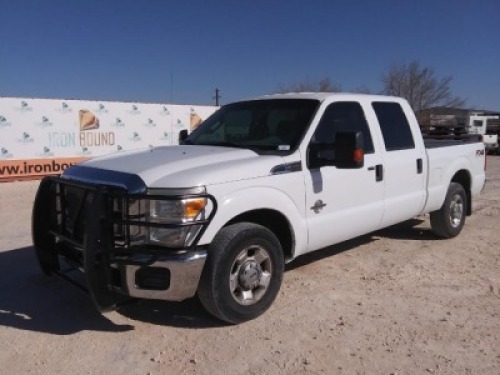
(162,51)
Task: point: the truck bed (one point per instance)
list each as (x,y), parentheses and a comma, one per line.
(435,143)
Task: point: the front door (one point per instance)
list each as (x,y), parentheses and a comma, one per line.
(344,203)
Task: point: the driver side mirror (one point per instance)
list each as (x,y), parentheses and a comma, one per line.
(183,134)
(345,153)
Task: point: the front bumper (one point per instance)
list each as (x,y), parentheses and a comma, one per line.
(183,271)
(74,228)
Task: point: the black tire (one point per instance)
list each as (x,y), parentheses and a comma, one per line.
(449,220)
(242,274)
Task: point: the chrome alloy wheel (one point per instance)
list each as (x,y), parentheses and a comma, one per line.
(250,275)
(456,210)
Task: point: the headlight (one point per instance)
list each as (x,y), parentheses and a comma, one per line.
(176,212)
(161,221)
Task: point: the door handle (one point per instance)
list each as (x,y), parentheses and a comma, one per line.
(379,171)
(420,166)
(318,206)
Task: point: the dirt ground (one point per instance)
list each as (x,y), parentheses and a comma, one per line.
(399,301)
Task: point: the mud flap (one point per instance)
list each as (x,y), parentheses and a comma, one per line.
(43,241)
(96,259)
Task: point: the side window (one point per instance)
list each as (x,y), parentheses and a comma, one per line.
(343,116)
(394,125)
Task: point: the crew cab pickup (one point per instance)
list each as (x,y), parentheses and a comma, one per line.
(258,184)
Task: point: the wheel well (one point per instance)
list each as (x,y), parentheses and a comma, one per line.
(463,178)
(275,221)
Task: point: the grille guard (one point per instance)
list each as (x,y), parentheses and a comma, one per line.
(82,232)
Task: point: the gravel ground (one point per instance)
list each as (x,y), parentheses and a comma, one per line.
(398,301)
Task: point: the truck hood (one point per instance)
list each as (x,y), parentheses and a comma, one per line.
(187,166)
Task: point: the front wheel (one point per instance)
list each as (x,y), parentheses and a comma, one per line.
(449,220)
(243,273)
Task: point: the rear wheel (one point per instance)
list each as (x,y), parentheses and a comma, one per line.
(243,273)
(449,220)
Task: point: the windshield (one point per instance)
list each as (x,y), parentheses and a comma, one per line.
(272,124)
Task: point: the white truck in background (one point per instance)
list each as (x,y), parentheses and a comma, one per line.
(488,126)
(258,184)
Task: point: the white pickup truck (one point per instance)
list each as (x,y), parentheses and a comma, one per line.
(258,184)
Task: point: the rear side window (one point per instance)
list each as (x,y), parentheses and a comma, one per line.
(341,117)
(394,125)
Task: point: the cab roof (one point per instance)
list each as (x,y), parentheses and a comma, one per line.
(321,96)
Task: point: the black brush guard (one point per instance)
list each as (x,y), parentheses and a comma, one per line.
(76,222)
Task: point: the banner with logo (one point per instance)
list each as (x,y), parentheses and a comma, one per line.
(44,136)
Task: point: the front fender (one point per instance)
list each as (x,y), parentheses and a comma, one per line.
(240,201)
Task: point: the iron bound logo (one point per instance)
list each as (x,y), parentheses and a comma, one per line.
(150,123)
(24,106)
(85,151)
(46,152)
(25,138)
(3,122)
(65,108)
(101,108)
(135,137)
(164,111)
(179,124)
(88,138)
(45,122)
(88,120)
(194,120)
(118,123)
(4,153)
(134,110)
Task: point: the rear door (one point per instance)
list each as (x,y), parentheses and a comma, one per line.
(404,162)
(344,203)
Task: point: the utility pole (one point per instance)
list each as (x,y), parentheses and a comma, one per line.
(217,97)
